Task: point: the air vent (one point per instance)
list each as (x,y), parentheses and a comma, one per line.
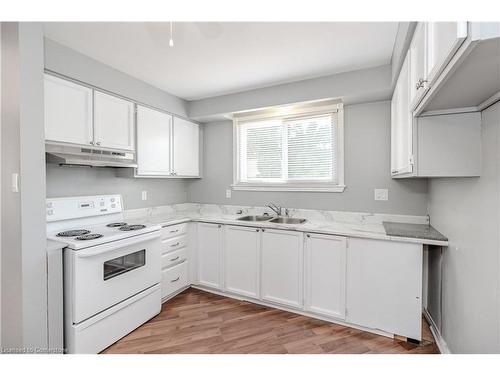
(106,153)
(118,153)
(86,150)
(96,152)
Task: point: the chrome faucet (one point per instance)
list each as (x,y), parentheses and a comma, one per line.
(277,209)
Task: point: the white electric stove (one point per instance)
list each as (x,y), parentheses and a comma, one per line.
(112,270)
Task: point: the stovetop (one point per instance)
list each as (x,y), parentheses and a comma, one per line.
(91,235)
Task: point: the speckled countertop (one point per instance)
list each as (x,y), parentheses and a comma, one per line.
(357,227)
(424,231)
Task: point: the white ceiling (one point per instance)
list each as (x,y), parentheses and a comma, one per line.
(210,59)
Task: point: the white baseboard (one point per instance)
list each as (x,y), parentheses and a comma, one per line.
(441,344)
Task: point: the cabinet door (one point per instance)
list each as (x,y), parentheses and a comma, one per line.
(402,124)
(241,260)
(154,131)
(384,286)
(281,272)
(113,122)
(209,255)
(443,40)
(418,74)
(68,111)
(186,148)
(325,265)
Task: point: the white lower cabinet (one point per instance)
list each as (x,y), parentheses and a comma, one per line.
(174,260)
(325,275)
(209,255)
(281,267)
(376,284)
(174,278)
(384,286)
(241,260)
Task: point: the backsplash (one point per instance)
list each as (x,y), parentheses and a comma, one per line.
(216,210)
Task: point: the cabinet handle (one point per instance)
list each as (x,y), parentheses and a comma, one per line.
(394,171)
(173,260)
(175,244)
(263,230)
(174,231)
(98,143)
(176,279)
(219,226)
(308,235)
(91,142)
(257,230)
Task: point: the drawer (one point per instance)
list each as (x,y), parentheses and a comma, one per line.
(173,244)
(174,278)
(174,257)
(173,230)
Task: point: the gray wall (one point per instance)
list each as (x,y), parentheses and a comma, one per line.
(76,181)
(67,181)
(367,166)
(24,293)
(467,210)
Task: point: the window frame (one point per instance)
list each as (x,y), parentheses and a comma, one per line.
(291,113)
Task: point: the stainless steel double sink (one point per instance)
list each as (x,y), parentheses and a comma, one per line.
(270,219)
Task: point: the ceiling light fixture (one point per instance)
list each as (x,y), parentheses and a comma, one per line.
(171,41)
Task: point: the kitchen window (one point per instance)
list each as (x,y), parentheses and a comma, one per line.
(290,150)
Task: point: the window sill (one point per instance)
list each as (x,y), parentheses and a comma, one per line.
(263,187)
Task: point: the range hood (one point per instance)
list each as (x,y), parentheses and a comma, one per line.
(85,156)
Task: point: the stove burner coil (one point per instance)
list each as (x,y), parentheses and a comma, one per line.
(73,233)
(116,225)
(127,228)
(91,236)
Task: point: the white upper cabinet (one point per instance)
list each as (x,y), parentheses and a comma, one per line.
(443,40)
(282,260)
(68,111)
(113,122)
(401,124)
(241,260)
(186,147)
(418,65)
(209,255)
(325,273)
(154,133)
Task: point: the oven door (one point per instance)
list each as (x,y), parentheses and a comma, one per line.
(104,275)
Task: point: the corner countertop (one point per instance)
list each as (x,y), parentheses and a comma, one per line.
(424,231)
(360,230)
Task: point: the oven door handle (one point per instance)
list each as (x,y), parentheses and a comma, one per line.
(100,249)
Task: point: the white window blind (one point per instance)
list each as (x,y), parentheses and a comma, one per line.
(297,150)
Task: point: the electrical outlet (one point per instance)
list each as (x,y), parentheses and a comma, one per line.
(381,194)
(228,193)
(144,195)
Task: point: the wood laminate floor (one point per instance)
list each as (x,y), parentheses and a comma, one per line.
(199,322)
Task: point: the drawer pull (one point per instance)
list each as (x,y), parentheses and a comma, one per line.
(174,231)
(173,260)
(176,279)
(175,244)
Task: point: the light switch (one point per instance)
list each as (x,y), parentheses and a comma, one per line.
(228,193)
(15,182)
(144,195)
(381,194)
